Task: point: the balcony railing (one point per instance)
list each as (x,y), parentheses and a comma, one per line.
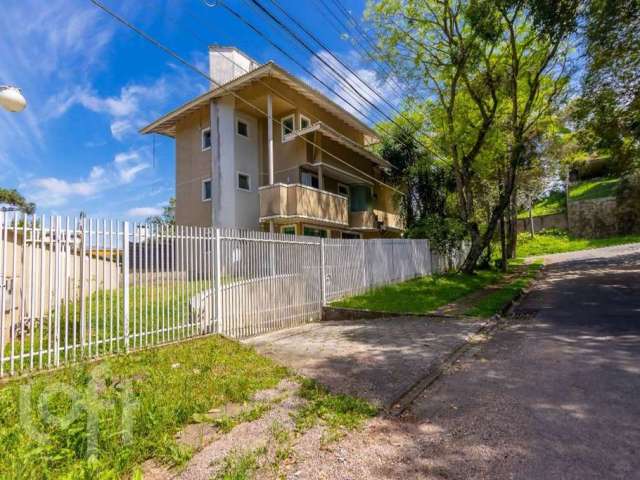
(281,202)
(376,220)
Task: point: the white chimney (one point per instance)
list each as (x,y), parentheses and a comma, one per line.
(228,63)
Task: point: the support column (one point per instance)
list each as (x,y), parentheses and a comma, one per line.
(270,136)
(320,177)
(270,146)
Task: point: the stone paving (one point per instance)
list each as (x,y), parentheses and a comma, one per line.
(378,360)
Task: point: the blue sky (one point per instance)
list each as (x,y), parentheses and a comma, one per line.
(91,84)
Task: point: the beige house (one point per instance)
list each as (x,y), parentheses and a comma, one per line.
(263,150)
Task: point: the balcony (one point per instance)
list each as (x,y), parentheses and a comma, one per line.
(283,203)
(375,220)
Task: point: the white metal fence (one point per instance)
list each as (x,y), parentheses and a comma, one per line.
(82,288)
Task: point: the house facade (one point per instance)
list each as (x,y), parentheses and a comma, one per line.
(262,150)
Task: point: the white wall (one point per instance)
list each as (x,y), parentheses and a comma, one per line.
(247,204)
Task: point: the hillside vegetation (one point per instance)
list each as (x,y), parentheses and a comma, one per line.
(587,190)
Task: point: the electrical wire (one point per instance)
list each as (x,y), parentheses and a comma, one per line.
(195,69)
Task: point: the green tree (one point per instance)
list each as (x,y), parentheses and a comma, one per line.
(13,198)
(493,72)
(168,215)
(608,110)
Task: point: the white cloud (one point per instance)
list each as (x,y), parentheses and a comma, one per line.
(143,212)
(370,90)
(54,191)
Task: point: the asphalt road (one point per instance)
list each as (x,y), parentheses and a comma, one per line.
(554,395)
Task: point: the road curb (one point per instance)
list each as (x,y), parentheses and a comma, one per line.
(436,370)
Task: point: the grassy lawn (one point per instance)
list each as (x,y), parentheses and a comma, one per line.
(495,302)
(554,203)
(134,404)
(558,241)
(420,295)
(591,189)
(156,314)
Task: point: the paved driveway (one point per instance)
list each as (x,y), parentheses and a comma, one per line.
(375,359)
(554,395)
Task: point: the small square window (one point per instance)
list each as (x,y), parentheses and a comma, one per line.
(288,125)
(206,139)
(206,190)
(242,128)
(304,122)
(244,182)
(288,229)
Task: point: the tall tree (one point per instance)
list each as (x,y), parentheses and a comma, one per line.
(492,71)
(608,111)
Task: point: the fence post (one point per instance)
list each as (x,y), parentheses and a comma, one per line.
(125,294)
(364,266)
(323,275)
(217,292)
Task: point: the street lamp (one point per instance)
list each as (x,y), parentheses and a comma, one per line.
(11,98)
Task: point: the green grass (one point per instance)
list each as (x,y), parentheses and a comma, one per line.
(420,295)
(554,203)
(592,189)
(134,405)
(337,412)
(152,308)
(495,302)
(559,241)
(241,466)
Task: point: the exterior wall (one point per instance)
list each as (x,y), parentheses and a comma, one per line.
(192,166)
(40,277)
(593,218)
(247,162)
(585,218)
(232,153)
(556,220)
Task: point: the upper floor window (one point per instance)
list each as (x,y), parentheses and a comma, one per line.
(244,181)
(288,125)
(242,128)
(304,122)
(309,179)
(206,139)
(343,189)
(206,190)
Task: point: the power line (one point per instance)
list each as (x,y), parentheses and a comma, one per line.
(259,32)
(331,17)
(337,59)
(195,69)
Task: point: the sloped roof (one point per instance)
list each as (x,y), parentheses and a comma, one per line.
(166,125)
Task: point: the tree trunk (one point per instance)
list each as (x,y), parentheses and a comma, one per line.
(532,229)
(512,223)
(503,245)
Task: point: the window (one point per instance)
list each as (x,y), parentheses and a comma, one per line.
(206,190)
(315,232)
(350,236)
(242,128)
(310,179)
(304,122)
(206,139)
(288,125)
(343,189)
(244,181)
(288,229)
